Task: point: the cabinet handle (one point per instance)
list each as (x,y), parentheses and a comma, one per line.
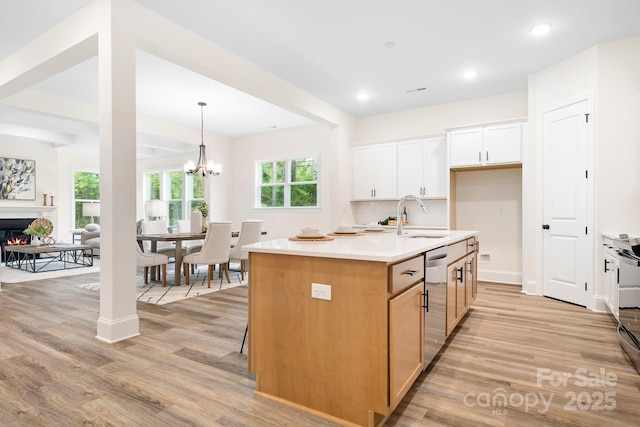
(479,156)
(374,192)
(487,156)
(605,266)
(410,272)
(470,265)
(460,274)
(426,300)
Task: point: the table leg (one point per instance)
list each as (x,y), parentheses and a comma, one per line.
(154,248)
(178,268)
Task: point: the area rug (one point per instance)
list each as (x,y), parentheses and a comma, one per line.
(12,275)
(155,293)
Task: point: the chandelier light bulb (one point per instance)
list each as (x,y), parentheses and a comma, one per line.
(203,166)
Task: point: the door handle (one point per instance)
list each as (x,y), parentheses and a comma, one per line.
(545,226)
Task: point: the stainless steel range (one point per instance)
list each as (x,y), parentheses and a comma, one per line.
(627,252)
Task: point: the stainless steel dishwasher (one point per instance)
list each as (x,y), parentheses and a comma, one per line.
(435,302)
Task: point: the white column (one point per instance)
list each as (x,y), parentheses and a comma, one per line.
(117,88)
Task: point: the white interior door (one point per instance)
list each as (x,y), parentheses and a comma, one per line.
(565,208)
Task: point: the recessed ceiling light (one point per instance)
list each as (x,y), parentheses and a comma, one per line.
(390,44)
(469,75)
(362,96)
(540,29)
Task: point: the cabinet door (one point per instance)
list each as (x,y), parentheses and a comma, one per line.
(405,342)
(363,172)
(471,282)
(435,170)
(411,165)
(385,171)
(502,144)
(466,147)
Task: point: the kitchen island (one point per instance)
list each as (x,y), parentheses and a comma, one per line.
(335,327)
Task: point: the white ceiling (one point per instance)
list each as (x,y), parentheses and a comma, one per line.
(332,49)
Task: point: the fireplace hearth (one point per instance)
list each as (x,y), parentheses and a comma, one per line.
(12,229)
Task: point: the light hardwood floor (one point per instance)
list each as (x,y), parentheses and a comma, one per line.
(185,368)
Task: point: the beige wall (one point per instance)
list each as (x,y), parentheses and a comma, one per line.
(490,201)
(436,119)
(282,223)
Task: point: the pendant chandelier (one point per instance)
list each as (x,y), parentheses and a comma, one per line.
(202,167)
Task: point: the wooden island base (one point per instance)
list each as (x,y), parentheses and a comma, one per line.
(329,358)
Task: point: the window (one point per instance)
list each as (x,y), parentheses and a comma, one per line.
(86,188)
(288,183)
(183,193)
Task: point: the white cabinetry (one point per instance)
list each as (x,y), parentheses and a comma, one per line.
(375,172)
(487,145)
(422,167)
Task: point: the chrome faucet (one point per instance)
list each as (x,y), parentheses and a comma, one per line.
(398,215)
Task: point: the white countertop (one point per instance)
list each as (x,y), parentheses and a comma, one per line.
(384,247)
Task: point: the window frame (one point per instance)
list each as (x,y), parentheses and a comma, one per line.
(287,184)
(74,217)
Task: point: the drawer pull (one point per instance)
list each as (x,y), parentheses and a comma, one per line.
(410,272)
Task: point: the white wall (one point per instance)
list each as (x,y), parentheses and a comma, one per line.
(282,223)
(506,261)
(490,201)
(46,159)
(436,119)
(550,88)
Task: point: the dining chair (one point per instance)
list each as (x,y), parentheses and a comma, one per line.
(158,227)
(151,259)
(190,246)
(215,250)
(250,232)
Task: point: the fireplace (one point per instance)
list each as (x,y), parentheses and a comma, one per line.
(11,229)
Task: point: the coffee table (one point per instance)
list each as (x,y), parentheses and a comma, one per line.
(60,256)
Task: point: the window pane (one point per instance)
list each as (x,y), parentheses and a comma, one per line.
(175,185)
(304,195)
(175,211)
(87,185)
(153,186)
(267,172)
(272,196)
(303,170)
(198,186)
(281,171)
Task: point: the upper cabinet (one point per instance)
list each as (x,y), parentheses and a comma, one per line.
(422,167)
(490,145)
(375,172)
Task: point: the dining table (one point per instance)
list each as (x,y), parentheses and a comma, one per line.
(178,238)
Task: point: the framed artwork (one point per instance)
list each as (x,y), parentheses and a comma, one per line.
(17,179)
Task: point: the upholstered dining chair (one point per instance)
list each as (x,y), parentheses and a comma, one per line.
(151,259)
(190,246)
(250,232)
(158,227)
(215,250)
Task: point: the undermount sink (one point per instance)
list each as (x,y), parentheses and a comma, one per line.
(424,236)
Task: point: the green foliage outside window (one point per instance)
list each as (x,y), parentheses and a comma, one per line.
(289,183)
(86,188)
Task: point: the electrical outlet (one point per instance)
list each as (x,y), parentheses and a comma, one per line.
(320,291)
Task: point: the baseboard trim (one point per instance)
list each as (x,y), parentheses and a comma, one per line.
(509,278)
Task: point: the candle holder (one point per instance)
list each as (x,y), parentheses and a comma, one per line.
(52,196)
(44,201)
